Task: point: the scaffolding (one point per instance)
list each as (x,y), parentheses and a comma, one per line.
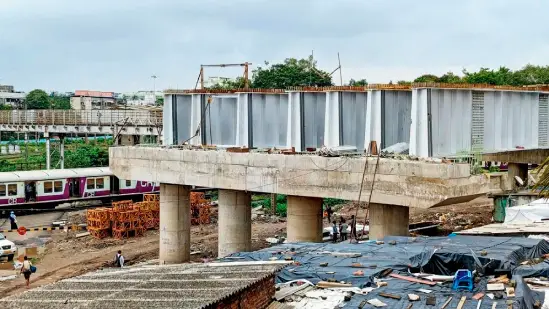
(99,222)
(128,219)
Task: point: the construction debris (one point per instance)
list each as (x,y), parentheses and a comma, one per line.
(127,219)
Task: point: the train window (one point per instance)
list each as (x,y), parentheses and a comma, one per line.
(90,183)
(99,183)
(12,189)
(58,186)
(2,190)
(128,183)
(48,187)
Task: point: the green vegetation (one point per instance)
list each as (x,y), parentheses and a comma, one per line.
(39,99)
(303,72)
(77,155)
(282,203)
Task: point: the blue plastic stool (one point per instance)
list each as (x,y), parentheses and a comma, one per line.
(463,280)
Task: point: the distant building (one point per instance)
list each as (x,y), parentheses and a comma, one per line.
(8,96)
(142,98)
(85,99)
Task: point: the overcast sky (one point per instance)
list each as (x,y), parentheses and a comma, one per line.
(116,45)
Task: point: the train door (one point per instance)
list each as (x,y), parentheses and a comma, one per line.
(74,187)
(115,185)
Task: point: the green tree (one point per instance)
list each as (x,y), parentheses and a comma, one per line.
(60,102)
(358,83)
(404,83)
(226,84)
(450,78)
(503,76)
(37,99)
(427,78)
(292,72)
(5,107)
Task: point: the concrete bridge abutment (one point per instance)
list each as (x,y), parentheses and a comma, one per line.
(388,220)
(304,219)
(234,222)
(175,224)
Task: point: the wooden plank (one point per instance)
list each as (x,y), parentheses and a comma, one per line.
(446,303)
(461,302)
(411,279)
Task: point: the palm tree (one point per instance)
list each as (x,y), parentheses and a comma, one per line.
(543,179)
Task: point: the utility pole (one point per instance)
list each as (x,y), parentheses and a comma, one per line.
(154,77)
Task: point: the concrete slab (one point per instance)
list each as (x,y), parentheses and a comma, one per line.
(173,286)
(398,182)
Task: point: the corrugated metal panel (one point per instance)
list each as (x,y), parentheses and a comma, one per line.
(314,108)
(183,112)
(220,118)
(477,124)
(269,120)
(450,122)
(543,120)
(396,117)
(353,119)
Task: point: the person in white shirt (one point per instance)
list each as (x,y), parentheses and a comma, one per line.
(119,259)
(26,270)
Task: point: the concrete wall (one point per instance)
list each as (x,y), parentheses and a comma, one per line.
(398,182)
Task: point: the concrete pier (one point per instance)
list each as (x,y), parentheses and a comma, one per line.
(175,224)
(304,219)
(388,220)
(235,222)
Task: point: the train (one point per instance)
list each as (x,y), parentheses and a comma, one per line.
(49,188)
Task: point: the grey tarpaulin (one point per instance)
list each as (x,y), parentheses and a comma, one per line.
(435,255)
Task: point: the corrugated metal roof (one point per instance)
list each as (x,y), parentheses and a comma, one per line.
(54,174)
(173,286)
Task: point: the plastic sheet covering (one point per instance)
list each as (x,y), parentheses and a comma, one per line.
(536,211)
(435,255)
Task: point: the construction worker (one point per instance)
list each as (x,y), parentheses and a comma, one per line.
(343,229)
(334,231)
(329,213)
(119,259)
(13,221)
(353,228)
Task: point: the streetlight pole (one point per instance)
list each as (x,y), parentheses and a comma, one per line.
(154,77)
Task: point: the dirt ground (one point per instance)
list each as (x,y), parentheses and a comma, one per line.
(66,256)
(455,217)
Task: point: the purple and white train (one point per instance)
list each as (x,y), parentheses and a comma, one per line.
(46,188)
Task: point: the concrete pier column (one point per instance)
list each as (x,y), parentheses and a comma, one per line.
(304,219)
(388,220)
(517,169)
(235,222)
(48,152)
(175,224)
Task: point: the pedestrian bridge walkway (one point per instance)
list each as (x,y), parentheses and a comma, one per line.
(126,122)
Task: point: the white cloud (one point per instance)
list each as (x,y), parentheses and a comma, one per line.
(116,45)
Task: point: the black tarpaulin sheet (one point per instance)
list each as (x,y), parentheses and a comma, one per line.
(435,255)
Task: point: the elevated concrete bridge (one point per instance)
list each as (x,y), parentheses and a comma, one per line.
(306,179)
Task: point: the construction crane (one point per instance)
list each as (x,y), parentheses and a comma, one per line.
(224,65)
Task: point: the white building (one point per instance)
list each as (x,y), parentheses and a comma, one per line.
(85,99)
(142,98)
(8,96)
